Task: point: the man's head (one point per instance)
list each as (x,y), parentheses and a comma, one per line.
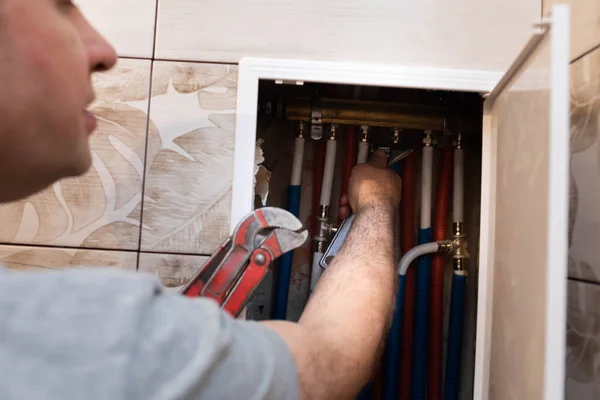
(48,52)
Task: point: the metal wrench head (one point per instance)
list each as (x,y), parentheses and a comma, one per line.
(290,240)
(262,222)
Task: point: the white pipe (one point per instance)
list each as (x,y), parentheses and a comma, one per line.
(297,165)
(458,200)
(414,253)
(363,152)
(328,173)
(426,187)
(316,270)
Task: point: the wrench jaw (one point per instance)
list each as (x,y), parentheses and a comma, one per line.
(290,240)
(277,218)
(232,274)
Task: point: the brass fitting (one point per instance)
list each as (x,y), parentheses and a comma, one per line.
(365,133)
(459,246)
(332,131)
(325,229)
(458,143)
(428,140)
(396,135)
(301,130)
(446,246)
(459,265)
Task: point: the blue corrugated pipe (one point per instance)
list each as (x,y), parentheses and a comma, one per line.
(392,354)
(455,336)
(366,393)
(419,378)
(285,262)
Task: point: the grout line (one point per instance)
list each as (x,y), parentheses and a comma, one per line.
(145,158)
(596,47)
(137,258)
(46,246)
(137,264)
(580,280)
(155,29)
(173,253)
(178,60)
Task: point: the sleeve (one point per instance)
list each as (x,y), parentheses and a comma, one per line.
(191,349)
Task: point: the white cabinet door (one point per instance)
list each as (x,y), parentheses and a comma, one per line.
(522,292)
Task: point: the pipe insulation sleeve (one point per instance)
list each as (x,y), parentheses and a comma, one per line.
(455,336)
(319,166)
(285,262)
(297,164)
(426,187)
(414,253)
(458,201)
(436,309)
(328,173)
(392,356)
(316,271)
(363,152)
(421,320)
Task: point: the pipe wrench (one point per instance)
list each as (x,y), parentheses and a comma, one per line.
(236,269)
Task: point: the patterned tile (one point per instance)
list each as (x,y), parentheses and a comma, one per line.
(127,24)
(100,209)
(173,270)
(585,24)
(584,218)
(47,258)
(190,158)
(583,341)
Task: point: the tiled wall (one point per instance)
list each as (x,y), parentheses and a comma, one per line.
(583,327)
(158,196)
(583,317)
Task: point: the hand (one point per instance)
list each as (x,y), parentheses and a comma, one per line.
(371,184)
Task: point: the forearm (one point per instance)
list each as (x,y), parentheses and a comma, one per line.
(339,335)
(353,302)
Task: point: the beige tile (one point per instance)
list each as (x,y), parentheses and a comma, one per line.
(127,24)
(522,116)
(585,24)
(190,159)
(583,341)
(173,270)
(466,34)
(100,209)
(47,258)
(584,219)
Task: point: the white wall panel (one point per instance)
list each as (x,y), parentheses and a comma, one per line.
(127,24)
(466,34)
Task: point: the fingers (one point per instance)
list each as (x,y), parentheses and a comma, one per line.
(344,201)
(344,212)
(378,159)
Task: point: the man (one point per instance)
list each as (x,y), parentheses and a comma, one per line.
(113,335)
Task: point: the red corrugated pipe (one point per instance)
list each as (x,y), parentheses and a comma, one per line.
(436,314)
(408,242)
(350,153)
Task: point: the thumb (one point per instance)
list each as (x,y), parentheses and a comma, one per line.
(378,159)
